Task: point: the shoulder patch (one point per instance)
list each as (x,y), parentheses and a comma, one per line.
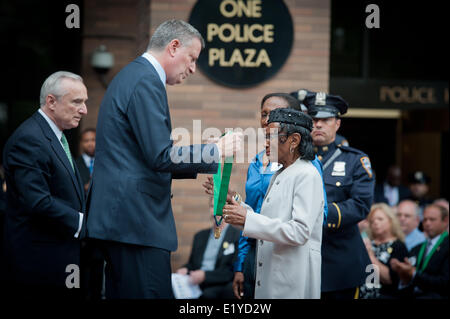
(365,161)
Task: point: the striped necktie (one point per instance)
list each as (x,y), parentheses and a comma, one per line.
(67,149)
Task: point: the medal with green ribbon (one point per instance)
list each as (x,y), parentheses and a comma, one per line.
(423,265)
(221,183)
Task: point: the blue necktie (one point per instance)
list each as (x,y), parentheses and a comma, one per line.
(91,166)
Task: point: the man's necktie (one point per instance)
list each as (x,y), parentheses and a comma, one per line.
(429,246)
(91,166)
(67,149)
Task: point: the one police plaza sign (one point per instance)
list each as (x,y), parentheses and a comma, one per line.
(247,41)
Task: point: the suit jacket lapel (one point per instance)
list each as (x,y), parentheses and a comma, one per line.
(60,153)
(145,62)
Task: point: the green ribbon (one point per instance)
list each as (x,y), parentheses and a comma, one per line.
(428,257)
(221,183)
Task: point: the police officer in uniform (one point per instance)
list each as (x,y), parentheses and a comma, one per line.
(349,183)
(301,95)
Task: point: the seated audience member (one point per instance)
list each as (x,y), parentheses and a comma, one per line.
(85,162)
(391,191)
(211,261)
(386,243)
(419,186)
(408,214)
(425,274)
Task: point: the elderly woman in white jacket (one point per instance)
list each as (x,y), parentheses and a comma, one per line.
(289,227)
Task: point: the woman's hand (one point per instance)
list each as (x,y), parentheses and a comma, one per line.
(234,213)
(238,284)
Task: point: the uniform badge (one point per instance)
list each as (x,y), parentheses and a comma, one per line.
(365,161)
(338,169)
(320,98)
(301,94)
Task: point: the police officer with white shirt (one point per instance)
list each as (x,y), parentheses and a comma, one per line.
(301,95)
(349,183)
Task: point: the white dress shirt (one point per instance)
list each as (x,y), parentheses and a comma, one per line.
(58,134)
(391,193)
(87,159)
(157,66)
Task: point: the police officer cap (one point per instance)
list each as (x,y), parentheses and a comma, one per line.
(301,95)
(419,177)
(290,116)
(322,105)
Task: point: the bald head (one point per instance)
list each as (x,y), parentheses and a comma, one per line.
(409,215)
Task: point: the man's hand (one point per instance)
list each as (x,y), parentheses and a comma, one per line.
(197,277)
(238,284)
(182,271)
(230,144)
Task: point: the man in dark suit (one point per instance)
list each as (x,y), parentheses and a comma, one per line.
(85,162)
(426,274)
(45,200)
(391,191)
(130,199)
(210,264)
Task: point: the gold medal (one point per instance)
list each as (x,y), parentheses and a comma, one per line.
(217,232)
(237,197)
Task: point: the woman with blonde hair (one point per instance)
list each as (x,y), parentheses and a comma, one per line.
(386,242)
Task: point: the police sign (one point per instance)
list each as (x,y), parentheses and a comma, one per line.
(247,41)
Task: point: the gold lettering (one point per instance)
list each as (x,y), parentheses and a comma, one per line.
(239,36)
(384,90)
(250,8)
(214,55)
(222,36)
(243,9)
(404,94)
(256,9)
(236,57)
(394,98)
(248,60)
(263,57)
(268,33)
(223,9)
(212,30)
(251,30)
(227,32)
(431,95)
(218,55)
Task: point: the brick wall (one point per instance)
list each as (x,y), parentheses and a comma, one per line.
(199,98)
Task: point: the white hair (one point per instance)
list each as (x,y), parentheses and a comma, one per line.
(52,85)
